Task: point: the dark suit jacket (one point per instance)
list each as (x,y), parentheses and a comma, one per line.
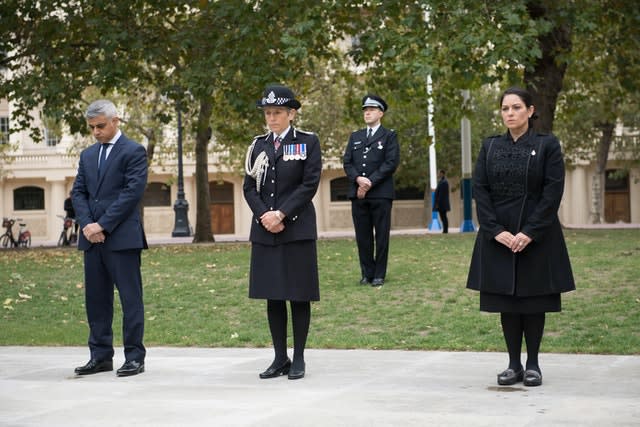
(441,197)
(113,200)
(376,159)
(289,186)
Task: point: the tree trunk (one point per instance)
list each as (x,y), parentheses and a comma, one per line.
(597,182)
(203,218)
(544,81)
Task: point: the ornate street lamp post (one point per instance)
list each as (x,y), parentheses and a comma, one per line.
(181,206)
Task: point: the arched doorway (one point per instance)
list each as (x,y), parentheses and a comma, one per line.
(221,208)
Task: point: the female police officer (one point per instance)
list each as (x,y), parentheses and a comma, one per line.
(283,171)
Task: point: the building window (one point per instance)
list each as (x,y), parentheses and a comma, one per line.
(340,189)
(156,194)
(51,137)
(221,192)
(616,180)
(28,199)
(4,130)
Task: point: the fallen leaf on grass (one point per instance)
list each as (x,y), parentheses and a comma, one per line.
(24,296)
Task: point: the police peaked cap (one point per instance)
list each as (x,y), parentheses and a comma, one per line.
(278,96)
(374,101)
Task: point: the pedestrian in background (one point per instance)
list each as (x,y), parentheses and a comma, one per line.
(520,262)
(282,175)
(370,159)
(441,200)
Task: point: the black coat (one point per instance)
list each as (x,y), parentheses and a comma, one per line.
(441,197)
(518,188)
(376,159)
(289,186)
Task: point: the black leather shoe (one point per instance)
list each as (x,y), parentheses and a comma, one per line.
(297,371)
(532,378)
(365,281)
(378,281)
(510,377)
(275,371)
(130,367)
(94,366)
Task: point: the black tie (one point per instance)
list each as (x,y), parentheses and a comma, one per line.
(103,156)
(368,133)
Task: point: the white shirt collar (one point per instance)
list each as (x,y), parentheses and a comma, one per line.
(282,135)
(117,136)
(374,129)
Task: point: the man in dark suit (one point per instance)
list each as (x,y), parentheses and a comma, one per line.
(106,194)
(441,200)
(370,159)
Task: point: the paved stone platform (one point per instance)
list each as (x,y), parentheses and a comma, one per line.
(220,387)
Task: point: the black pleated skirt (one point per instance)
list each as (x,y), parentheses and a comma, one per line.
(285,272)
(494,303)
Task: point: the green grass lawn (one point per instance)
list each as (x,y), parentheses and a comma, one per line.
(196,295)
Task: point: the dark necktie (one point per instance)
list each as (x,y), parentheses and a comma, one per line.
(276,143)
(103,157)
(368,134)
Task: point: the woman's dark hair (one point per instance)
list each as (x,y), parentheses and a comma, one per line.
(525,96)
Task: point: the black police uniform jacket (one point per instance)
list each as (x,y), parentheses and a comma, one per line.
(376,159)
(289,186)
(518,188)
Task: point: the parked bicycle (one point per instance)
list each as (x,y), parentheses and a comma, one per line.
(68,235)
(8,240)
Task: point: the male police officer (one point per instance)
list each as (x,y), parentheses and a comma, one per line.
(370,159)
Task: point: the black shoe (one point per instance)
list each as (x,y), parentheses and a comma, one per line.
(532,378)
(365,281)
(275,371)
(297,371)
(130,367)
(510,376)
(94,366)
(378,281)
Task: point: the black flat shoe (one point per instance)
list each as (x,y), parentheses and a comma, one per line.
(532,378)
(365,281)
(94,366)
(276,371)
(297,371)
(377,282)
(510,377)
(130,367)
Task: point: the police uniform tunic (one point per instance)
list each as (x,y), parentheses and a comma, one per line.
(375,158)
(518,187)
(284,265)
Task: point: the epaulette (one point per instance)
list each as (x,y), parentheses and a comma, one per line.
(257,137)
(306,132)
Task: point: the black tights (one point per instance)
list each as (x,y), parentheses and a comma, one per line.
(514,325)
(300,318)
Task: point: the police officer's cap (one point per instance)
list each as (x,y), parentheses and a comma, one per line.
(278,96)
(375,101)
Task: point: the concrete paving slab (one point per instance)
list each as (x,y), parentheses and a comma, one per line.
(220,387)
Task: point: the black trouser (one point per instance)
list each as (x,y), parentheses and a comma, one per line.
(369,216)
(104,269)
(445,221)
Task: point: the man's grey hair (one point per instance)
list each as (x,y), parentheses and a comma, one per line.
(101,107)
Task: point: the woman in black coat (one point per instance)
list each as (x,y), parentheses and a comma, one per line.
(520,262)
(283,172)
